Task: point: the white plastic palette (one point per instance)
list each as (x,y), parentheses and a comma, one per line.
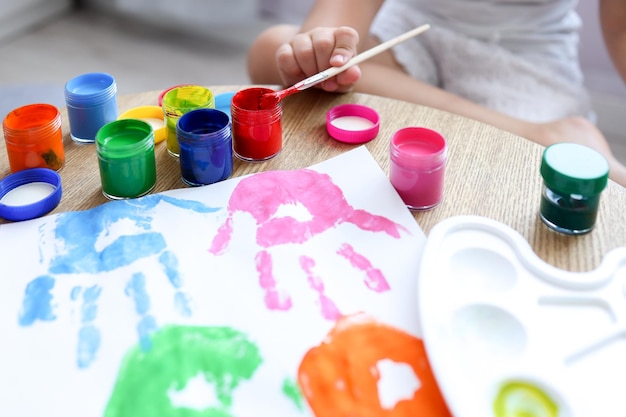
(493,313)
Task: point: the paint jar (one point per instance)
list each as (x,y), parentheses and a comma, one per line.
(573,179)
(126,158)
(33,137)
(206,146)
(257,131)
(418,157)
(178,101)
(91,101)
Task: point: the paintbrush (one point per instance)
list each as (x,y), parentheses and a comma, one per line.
(270,100)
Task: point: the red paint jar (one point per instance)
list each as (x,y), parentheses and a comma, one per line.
(257,131)
(33,137)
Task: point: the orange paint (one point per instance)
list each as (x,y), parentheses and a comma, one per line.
(340,376)
(33,137)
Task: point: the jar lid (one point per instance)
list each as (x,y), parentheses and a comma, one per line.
(30,193)
(570,168)
(352,123)
(153,115)
(223,100)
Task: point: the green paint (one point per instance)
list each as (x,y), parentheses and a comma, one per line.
(126,158)
(223,356)
(292,391)
(523,399)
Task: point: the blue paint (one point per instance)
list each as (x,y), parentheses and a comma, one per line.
(182,305)
(146,326)
(79,232)
(88,345)
(170,266)
(92,293)
(89,313)
(37,303)
(90,308)
(206,146)
(125,250)
(75,292)
(136,288)
(91,102)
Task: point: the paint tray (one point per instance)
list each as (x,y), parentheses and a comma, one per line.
(507,333)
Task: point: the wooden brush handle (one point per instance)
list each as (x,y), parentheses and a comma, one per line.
(331,72)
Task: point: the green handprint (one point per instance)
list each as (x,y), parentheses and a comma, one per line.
(223,356)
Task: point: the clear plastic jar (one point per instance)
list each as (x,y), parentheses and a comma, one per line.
(126,158)
(91,101)
(257,131)
(206,147)
(417,164)
(33,137)
(178,101)
(574,177)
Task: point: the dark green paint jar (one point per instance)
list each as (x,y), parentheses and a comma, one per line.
(126,158)
(574,177)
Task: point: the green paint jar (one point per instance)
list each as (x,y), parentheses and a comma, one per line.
(126,158)
(574,177)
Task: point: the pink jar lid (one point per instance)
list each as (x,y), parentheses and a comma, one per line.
(352,123)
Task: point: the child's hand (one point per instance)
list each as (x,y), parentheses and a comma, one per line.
(317,50)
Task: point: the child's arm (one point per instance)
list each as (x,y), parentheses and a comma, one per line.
(613,22)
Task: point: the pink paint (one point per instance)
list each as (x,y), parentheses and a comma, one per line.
(418,157)
(274,299)
(222,237)
(375,280)
(328,307)
(263,194)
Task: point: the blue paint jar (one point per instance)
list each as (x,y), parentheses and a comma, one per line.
(206,151)
(91,101)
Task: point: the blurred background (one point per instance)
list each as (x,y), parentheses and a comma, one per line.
(145,44)
(154,44)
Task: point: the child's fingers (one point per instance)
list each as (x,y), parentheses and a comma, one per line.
(346,41)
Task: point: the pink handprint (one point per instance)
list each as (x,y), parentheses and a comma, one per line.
(261,195)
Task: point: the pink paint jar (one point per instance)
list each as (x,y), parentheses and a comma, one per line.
(417,164)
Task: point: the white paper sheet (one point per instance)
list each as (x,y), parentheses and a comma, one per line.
(204,301)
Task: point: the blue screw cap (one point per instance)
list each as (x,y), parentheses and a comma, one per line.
(29,194)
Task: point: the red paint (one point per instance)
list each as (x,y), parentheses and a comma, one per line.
(257,131)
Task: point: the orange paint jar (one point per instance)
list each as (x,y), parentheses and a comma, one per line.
(33,137)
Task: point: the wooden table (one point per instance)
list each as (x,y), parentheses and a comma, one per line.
(489,173)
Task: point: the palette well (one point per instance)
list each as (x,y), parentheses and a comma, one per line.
(508,334)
